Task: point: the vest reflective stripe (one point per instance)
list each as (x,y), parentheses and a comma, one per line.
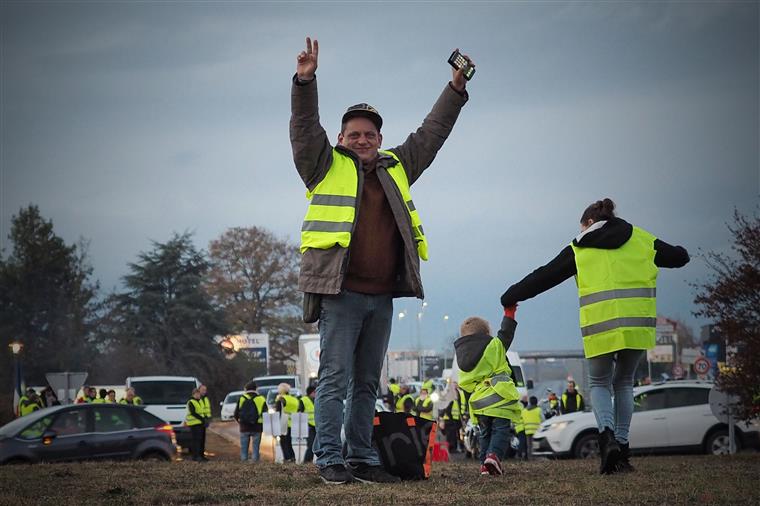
(499,378)
(486,401)
(531,420)
(326,226)
(624,293)
(191,420)
(617,295)
(331,214)
(308,408)
(618,323)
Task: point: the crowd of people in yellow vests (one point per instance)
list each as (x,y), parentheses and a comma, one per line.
(31,400)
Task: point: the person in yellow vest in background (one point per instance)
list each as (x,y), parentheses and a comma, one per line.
(89,395)
(531,419)
(111,397)
(196,421)
(405,401)
(29,403)
(131,398)
(393,388)
(615,265)
(522,449)
(486,375)
(101,399)
(206,405)
(286,405)
(572,400)
(453,415)
(306,405)
(423,406)
(249,414)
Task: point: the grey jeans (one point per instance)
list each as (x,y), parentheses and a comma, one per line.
(354,330)
(610,374)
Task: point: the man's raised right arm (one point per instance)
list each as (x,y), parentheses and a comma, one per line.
(312,152)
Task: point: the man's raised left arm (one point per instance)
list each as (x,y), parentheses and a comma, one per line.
(420,148)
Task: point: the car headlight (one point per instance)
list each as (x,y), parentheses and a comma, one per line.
(558,425)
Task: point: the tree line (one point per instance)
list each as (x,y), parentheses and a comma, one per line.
(174,299)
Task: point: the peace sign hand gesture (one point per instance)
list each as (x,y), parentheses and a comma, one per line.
(307,61)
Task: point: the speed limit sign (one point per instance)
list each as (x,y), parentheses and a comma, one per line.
(702,365)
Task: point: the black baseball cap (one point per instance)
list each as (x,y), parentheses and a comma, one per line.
(364,111)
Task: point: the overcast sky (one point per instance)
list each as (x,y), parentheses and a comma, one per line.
(125,122)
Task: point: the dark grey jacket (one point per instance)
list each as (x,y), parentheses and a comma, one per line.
(322,271)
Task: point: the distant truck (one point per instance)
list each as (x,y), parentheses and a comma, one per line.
(307,367)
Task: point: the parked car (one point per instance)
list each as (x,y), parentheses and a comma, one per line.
(668,417)
(229,403)
(86,431)
(266,381)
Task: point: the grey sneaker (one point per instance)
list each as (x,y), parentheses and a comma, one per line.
(336,474)
(371,474)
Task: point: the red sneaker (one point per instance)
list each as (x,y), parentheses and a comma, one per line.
(493,465)
(484,470)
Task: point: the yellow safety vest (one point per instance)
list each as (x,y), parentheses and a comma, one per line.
(400,402)
(425,403)
(578,399)
(206,407)
(308,408)
(259,401)
(519,425)
(332,207)
(617,292)
(99,400)
(490,382)
(531,418)
(26,407)
(394,388)
(134,402)
(290,407)
(193,420)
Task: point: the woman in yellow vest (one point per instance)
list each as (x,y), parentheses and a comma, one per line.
(615,265)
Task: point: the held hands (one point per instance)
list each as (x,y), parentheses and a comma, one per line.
(458,80)
(307,61)
(510,311)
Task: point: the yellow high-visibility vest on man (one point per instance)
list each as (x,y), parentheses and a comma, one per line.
(289,406)
(531,419)
(194,415)
(332,208)
(308,408)
(424,408)
(617,292)
(258,400)
(400,402)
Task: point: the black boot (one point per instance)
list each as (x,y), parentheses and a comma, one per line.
(609,451)
(624,463)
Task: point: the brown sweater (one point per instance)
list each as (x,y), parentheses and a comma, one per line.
(375,243)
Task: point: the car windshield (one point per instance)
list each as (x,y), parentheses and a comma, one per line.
(12,428)
(232,398)
(262,382)
(164,392)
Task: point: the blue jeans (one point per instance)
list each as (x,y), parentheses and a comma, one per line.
(494,436)
(610,374)
(354,330)
(245,438)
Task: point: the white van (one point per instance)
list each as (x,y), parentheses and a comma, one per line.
(165,396)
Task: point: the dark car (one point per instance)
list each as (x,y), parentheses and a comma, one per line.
(86,431)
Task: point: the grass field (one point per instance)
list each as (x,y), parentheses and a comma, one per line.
(658,480)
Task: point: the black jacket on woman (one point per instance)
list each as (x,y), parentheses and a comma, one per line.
(612,235)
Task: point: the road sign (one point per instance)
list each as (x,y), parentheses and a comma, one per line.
(702,365)
(66,384)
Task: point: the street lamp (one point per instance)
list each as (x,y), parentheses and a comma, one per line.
(16,347)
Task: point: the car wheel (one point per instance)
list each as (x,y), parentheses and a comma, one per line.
(586,447)
(154,456)
(718,443)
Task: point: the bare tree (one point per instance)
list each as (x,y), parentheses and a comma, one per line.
(732,299)
(253,277)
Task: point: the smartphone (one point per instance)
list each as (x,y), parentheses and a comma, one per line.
(459,62)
